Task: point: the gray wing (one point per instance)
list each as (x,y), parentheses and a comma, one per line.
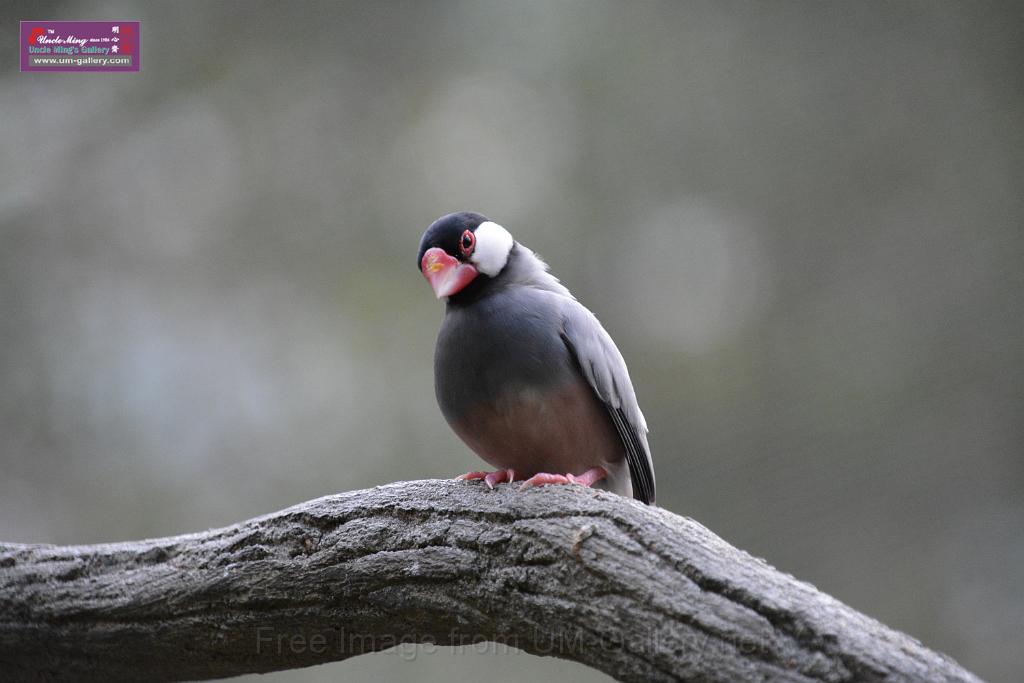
(604,369)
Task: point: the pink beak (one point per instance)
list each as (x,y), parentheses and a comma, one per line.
(445,273)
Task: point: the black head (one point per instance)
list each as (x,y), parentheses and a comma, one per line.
(460,249)
(447,233)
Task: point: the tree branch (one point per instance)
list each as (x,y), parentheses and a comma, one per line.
(635,591)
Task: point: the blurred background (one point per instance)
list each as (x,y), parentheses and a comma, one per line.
(801,222)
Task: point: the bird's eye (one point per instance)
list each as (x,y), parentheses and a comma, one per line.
(467,243)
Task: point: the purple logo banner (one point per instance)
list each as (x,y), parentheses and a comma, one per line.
(80,46)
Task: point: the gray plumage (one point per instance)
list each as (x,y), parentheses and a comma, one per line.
(530,380)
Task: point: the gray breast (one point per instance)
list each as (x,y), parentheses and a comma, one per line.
(502,344)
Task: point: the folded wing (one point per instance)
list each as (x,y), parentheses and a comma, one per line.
(604,369)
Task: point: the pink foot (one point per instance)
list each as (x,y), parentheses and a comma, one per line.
(490,478)
(588,478)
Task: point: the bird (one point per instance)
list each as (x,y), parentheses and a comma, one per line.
(525,374)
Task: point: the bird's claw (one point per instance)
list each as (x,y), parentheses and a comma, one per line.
(588,478)
(490,478)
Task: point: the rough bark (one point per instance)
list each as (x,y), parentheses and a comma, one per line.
(635,591)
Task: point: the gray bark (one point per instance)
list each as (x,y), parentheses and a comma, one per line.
(635,591)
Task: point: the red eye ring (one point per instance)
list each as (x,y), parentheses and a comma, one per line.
(467,242)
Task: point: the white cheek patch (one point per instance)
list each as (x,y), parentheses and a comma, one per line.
(493,244)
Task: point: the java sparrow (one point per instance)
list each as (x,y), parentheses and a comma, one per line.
(525,374)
